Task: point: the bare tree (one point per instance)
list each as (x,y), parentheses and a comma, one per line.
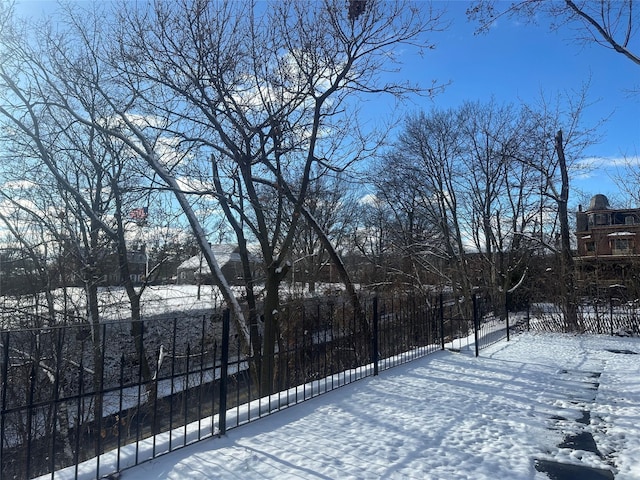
(558,138)
(331,204)
(428,153)
(261,92)
(628,178)
(611,23)
(27,223)
(502,193)
(489,183)
(371,238)
(59,121)
(403,203)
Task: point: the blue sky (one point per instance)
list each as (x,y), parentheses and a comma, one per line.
(516,62)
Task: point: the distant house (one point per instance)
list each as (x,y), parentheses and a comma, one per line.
(608,245)
(73,265)
(137,260)
(195,269)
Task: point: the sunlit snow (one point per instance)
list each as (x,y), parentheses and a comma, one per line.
(446,416)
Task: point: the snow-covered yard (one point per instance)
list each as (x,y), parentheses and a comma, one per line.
(446,416)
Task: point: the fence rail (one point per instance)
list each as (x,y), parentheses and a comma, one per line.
(84,401)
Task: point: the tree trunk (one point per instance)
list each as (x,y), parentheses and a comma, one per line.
(567,266)
(254,333)
(91,289)
(270,316)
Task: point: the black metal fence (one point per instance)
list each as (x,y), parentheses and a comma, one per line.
(611,316)
(84,401)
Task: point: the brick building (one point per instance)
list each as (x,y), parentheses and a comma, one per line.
(608,245)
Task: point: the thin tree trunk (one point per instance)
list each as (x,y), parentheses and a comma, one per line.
(569,294)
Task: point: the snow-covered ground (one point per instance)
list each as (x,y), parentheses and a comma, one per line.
(113,303)
(446,416)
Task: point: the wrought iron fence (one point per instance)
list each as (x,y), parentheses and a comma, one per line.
(611,316)
(84,401)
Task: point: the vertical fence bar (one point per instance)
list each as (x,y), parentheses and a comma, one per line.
(327,325)
(315,346)
(185,394)
(506,309)
(306,360)
(382,341)
(100,412)
(352,342)
(79,412)
(611,311)
(412,331)
(476,323)
(251,363)
(441,321)
(299,339)
(224,370)
(56,398)
(375,336)
(139,400)
(238,383)
(213,385)
(173,375)
(154,416)
(119,418)
(32,386)
(202,383)
(5,377)
(290,355)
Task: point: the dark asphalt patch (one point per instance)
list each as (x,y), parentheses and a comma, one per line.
(566,471)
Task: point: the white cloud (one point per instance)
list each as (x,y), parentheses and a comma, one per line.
(610,162)
(8,208)
(369,199)
(18,185)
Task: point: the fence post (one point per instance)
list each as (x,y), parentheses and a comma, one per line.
(224,373)
(98,402)
(611,311)
(441,321)
(120,408)
(5,376)
(173,377)
(474,301)
(528,316)
(185,394)
(506,309)
(32,388)
(376,352)
(79,414)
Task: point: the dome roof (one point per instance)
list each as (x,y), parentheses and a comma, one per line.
(599,202)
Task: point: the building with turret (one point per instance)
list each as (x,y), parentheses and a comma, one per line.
(608,246)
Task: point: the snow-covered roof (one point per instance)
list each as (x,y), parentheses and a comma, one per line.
(621,234)
(224,253)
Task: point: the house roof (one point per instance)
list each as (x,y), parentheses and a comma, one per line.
(225,253)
